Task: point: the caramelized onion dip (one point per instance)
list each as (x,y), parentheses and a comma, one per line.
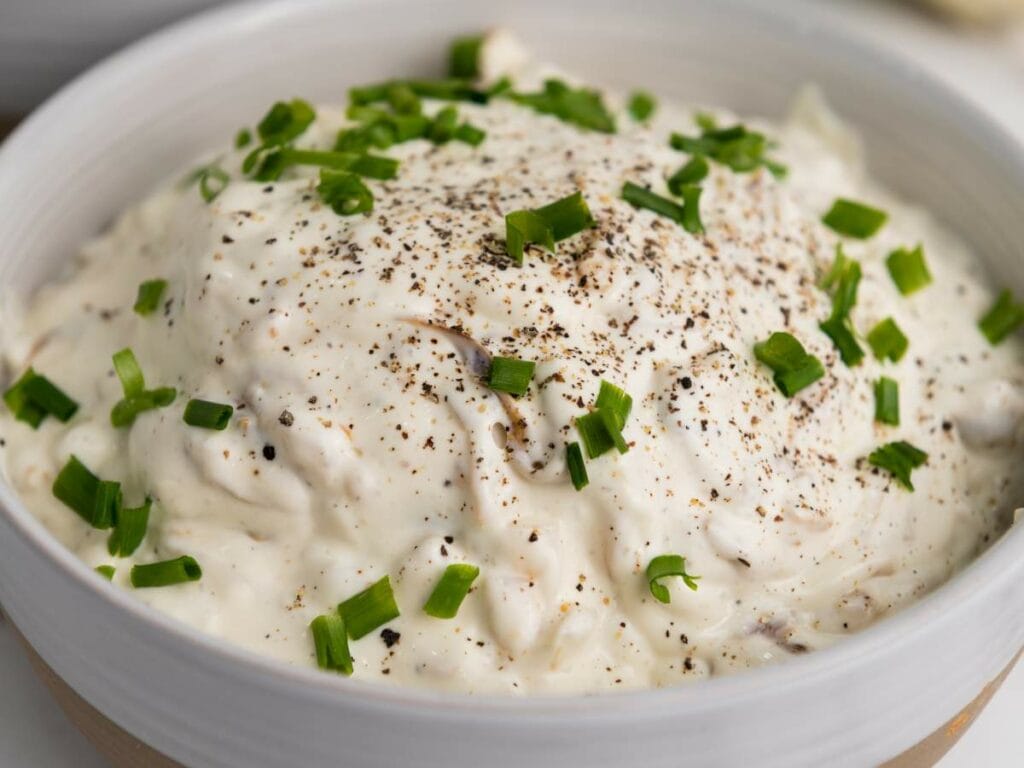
(369,436)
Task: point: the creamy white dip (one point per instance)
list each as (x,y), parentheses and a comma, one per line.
(390,456)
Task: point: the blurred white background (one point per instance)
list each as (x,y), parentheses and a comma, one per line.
(43,43)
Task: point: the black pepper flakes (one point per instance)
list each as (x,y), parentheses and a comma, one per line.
(269,452)
(390,637)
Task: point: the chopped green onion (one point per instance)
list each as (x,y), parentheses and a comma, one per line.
(887,340)
(736,147)
(546,225)
(887,401)
(77,487)
(106,571)
(510,375)
(908,270)
(610,422)
(596,439)
(403,99)
(470,134)
(371,608)
(664,566)
(275,162)
(344,192)
(1005,317)
(124,411)
(18,403)
(127,368)
(207,415)
(580,106)
(464,57)
(212,182)
(844,277)
(836,271)
(107,504)
(853,219)
(793,367)
(454,89)
(450,591)
(243,138)
(567,217)
(694,172)
(166,573)
(612,398)
(841,333)
(577,469)
(706,122)
(148,299)
(523,227)
(285,121)
(331,643)
(443,128)
(899,459)
(33,397)
(639,197)
(641,105)
(691,209)
(130,530)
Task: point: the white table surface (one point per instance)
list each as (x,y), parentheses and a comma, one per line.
(988,69)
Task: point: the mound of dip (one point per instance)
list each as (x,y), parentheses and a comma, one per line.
(500,383)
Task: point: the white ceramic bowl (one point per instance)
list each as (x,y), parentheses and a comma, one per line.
(107,138)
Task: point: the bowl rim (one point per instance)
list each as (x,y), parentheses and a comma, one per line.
(988,573)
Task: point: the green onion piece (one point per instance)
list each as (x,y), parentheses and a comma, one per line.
(887,401)
(129,372)
(899,459)
(148,299)
(706,122)
(450,591)
(510,375)
(285,121)
(124,411)
(579,106)
(331,643)
(691,209)
(736,147)
(454,89)
(130,530)
(887,341)
(443,128)
(106,504)
(277,161)
(403,99)
(694,172)
(664,566)
(77,487)
(503,85)
(243,138)
(641,105)
(567,217)
(18,403)
(793,367)
(371,608)
(639,197)
(836,271)
(841,333)
(612,398)
(166,573)
(610,422)
(470,134)
(344,192)
(853,219)
(596,440)
(522,227)
(577,469)
(1005,317)
(212,182)
(106,571)
(464,57)
(207,415)
(32,397)
(908,270)
(844,297)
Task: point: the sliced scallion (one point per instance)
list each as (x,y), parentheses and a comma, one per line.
(793,367)
(887,401)
(899,459)
(33,397)
(369,609)
(887,340)
(331,643)
(641,105)
(577,468)
(510,375)
(344,192)
(1005,317)
(665,566)
(853,219)
(451,590)
(207,415)
(694,172)
(106,571)
(165,573)
(464,57)
(149,295)
(908,269)
(130,530)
